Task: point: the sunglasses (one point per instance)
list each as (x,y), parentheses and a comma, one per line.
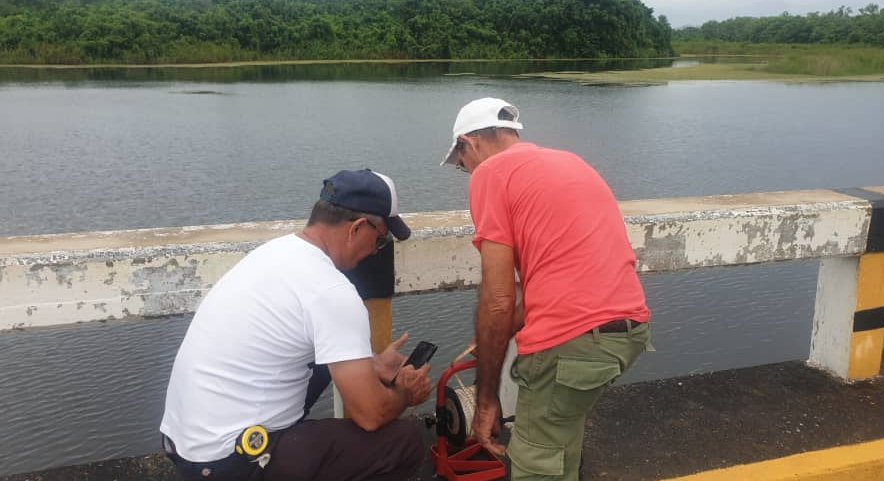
(459,147)
(382,240)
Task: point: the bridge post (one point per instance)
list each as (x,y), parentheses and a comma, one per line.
(374,280)
(867,343)
(848,332)
(833,315)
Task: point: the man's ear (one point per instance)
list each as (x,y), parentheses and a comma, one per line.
(354,228)
(468,141)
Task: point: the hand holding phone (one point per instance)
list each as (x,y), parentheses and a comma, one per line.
(415,384)
(421,354)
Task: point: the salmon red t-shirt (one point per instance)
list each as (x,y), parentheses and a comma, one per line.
(563,223)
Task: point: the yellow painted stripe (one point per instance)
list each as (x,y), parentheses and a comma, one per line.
(870,285)
(380,317)
(860,462)
(865,354)
(380,313)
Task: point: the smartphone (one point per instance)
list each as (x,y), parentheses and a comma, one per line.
(421,354)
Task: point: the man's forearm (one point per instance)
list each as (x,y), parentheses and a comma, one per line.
(368,402)
(382,371)
(518,318)
(494,318)
(493,330)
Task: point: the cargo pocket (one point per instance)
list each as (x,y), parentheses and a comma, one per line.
(514,372)
(536,458)
(579,384)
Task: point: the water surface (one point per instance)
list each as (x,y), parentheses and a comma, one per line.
(106,149)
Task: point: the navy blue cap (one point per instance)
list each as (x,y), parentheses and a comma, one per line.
(369,192)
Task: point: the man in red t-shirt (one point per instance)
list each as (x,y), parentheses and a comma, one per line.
(583,320)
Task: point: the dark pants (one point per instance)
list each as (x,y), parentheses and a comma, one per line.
(231,468)
(327,449)
(339,450)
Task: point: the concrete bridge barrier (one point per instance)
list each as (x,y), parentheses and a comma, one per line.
(68,278)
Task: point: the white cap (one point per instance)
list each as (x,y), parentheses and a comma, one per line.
(481,114)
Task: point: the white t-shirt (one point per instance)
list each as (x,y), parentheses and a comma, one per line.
(244,358)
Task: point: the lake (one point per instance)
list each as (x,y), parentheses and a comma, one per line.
(107,149)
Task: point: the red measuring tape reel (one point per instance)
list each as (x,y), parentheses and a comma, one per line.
(456,456)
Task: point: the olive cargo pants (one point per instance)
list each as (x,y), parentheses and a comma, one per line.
(557,389)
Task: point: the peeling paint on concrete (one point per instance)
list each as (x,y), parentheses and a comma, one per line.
(140,243)
(454,286)
(65,274)
(153,272)
(35,275)
(664,251)
(177,283)
(751,235)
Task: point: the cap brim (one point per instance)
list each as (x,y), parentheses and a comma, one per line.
(450,157)
(397,227)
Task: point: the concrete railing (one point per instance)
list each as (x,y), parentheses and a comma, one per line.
(68,278)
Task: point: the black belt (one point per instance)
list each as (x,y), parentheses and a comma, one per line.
(620,325)
(233,467)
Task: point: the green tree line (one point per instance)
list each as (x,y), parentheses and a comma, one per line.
(866,26)
(160,31)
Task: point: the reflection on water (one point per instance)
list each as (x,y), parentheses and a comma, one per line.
(685,63)
(118,155)
(318,71)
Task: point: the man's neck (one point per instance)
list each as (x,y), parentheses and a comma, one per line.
(314,236)
(501,143)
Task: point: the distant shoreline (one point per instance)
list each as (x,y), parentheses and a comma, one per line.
(249,63)
(781,63)
(702,72)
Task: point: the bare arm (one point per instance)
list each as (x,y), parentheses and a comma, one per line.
(368,402)
(494,327)
(519,317)
(388,362)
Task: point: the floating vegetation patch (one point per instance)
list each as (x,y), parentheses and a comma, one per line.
(199,92)
(699,72)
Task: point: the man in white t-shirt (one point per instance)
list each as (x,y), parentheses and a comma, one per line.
(249,356)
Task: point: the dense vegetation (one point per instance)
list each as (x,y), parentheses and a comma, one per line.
(865,26)
(161,31)
(797,59)
(838,43)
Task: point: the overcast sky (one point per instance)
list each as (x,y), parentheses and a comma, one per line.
(694,12)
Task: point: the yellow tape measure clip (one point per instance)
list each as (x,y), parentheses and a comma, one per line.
(253,441)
